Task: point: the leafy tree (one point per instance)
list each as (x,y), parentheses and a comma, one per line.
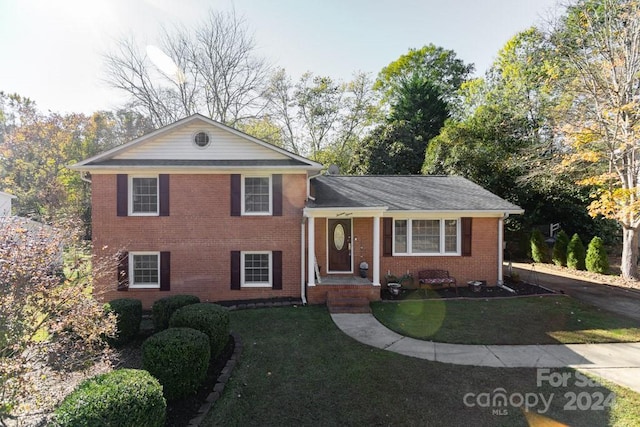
(559,256)
(50,323)
(598,43)
(575,253)
(417,92)
(398,146)
(430,63)
(212,69)
(597,260)
(539,249)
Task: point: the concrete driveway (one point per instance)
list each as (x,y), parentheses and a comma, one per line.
(618,300)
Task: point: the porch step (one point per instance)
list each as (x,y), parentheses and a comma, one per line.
(349,302)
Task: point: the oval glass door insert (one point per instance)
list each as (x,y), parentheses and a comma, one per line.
(338,237)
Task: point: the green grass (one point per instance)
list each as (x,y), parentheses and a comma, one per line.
(298,368)
(532,320)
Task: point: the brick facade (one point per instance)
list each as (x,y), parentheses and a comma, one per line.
(199,233)
(481,265)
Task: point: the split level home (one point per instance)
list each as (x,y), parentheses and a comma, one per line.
(200,208)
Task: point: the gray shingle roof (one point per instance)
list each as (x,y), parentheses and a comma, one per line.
(406,192)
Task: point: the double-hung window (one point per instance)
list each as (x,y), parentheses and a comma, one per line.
(144,270)
(426,237)
(256,269)
(144,195)
(256,195)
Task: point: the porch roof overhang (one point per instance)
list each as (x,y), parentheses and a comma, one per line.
(344,211)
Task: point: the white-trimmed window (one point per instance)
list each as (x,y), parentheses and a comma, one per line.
(143,195)
(256,195)
(256,269)
(426,236)
(144,270)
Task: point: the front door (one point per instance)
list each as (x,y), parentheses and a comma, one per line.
(339,237)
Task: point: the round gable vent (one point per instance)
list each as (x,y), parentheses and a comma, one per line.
(201,139)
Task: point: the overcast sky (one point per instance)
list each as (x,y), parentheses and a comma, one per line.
(51,49)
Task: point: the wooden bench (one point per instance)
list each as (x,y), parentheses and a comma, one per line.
(437,278)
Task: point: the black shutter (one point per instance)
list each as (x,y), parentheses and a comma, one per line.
(387,236)
(466,236)
(276,183)
(123,271)
(277,269)
(236,192)
(165,271)
(235,270)
(122,188)
(163,183)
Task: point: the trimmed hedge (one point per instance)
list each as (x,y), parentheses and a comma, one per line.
(575,253)
(179,359)
(126,397)
(212,319)
(597,260)
(163,309)
(129,313)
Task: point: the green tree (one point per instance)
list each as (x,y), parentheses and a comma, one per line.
(597,260)
(559,256)
(575,253)
(539,248)
(430,63)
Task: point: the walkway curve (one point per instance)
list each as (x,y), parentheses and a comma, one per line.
(617,362)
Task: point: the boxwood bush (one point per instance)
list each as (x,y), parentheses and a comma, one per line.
(212,319)
(179,359)
(126,397)
(129,313)
(163,309)
(559,257)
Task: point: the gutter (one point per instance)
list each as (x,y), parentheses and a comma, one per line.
(83,176)
(309,196)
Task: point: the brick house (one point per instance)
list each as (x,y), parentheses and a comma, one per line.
(199,208)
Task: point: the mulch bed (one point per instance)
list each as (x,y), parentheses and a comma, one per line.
(179,412)
(521,288)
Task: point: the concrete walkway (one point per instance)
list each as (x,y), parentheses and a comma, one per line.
(619,362)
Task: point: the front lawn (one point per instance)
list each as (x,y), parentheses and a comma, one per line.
(298,368)
(532,320)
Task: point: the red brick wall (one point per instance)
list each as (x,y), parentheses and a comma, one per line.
(200,233)
(482,265)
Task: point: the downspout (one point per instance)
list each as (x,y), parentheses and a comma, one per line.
(84,177)
(501,247)
(303,288)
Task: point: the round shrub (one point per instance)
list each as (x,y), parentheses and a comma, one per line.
(597,260)
(129,314)
(179,359)
(539,249)
(212,319)
(575,253)
(163,309)
(126,397)
(559,256)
